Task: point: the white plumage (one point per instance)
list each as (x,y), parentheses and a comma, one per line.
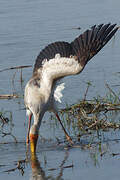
(58,92)
(44,94)
(56,68)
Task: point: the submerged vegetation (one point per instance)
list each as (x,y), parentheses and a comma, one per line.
(88,116)
(6,124)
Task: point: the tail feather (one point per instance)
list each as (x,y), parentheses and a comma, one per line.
(92,41)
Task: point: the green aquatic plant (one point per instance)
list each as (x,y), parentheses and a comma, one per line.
(88,116)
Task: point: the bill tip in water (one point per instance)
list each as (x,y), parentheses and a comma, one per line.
(33,142)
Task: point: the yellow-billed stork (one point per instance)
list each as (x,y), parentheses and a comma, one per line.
(55,61)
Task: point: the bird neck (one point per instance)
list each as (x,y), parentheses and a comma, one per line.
(46,88)
(38,119)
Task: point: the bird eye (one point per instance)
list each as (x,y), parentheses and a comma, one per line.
(28,111)
(27,108)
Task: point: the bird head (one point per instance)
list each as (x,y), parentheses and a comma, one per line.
(35,105)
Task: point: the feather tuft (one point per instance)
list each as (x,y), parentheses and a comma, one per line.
(58,92)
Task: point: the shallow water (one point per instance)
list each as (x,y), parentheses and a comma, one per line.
(25,28)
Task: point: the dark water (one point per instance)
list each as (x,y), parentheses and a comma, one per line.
(25,28)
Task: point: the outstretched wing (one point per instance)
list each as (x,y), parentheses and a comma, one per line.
(49,52)
(60,59)
(92,41)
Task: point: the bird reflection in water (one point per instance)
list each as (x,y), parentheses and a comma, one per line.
(39,174)
(37,171)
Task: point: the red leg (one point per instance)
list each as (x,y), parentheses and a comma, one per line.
(66,134)
(29,124)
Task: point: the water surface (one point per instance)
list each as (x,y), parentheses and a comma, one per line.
(26,28)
